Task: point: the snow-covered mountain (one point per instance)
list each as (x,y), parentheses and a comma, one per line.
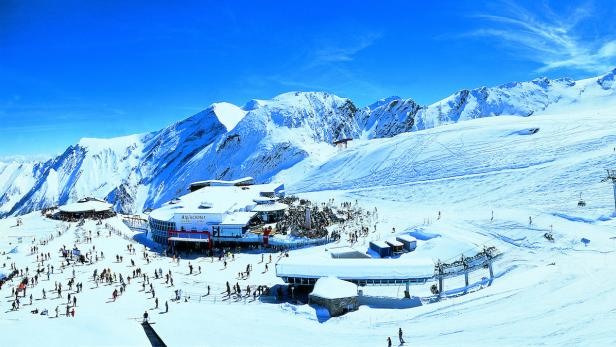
(222,141)
(281,137)
(394,115)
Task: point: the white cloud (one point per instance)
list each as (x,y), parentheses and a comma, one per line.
(555,41)
(340,52)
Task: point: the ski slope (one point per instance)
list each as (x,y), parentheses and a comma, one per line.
(545,293)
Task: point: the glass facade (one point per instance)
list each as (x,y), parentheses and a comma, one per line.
(160,229)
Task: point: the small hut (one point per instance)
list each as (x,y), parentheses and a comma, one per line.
(342,143)
(381,248)
(86,208)
(409,242)
(396,246)
(337,296)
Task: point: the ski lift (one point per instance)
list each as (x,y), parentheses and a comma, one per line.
(581,202)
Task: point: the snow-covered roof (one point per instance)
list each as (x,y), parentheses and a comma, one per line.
(369,268)
(86,206)
(341,250)
(238,218)
(188,239)
(406,237)
(394,243)
(219,200)
(277,206)
(334,288)
(381,244)
(346,252)
(243,180)
(264,200)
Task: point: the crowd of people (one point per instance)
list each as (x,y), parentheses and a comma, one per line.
(322,216)
(123,271)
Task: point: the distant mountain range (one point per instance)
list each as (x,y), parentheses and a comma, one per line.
(265,139)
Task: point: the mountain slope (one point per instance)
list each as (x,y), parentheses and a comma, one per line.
(282,138)
(518,99)
(145,170)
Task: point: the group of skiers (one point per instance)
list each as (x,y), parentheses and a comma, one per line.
(108,276)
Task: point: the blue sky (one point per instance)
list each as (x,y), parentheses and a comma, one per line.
(110,68)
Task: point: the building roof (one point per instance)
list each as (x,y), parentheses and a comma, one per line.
(89,205)
(276,206)
(239,181)
(334,288)
(346,252)
(317,267)
(406,237)
(381,244)
(395,243)
(238,218)
(188,239)
(214,200)
(342,141)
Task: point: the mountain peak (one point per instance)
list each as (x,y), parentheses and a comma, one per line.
(228,114)
(382,102)
(253,105)
(607,81)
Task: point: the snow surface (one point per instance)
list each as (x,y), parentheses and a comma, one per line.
(228,114)
(285,136)
(219,199)
(365,268)
(334,288)
(544,293)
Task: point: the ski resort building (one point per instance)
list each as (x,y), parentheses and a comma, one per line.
(337,296)
(217,210)
(86,208)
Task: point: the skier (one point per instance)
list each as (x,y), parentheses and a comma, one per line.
(166,307)
(145,316)
(400,336)
(388,341)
